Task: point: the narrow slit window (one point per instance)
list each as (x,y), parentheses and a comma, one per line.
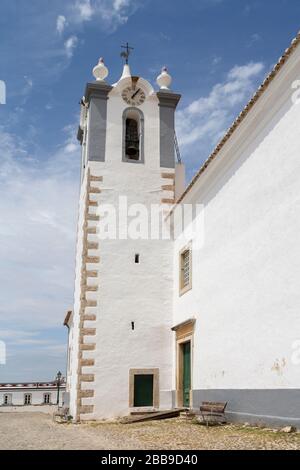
(137,259)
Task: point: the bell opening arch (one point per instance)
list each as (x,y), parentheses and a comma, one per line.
(133,135)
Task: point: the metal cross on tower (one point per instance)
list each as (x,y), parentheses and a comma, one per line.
(125,54)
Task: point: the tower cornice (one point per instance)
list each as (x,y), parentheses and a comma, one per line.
(97,89)
(168,99)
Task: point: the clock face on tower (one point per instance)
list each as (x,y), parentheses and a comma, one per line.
(133,96)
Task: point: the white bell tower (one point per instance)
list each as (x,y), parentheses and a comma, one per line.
(120,341)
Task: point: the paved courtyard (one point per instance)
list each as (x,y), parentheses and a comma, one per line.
(37,431)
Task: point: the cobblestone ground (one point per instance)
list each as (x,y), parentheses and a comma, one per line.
(37,431)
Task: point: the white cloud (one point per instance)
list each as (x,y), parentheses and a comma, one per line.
(109,13)
(84,10)
(29,82)
(119,4)
(38,215)
(216,60)
(38,202)
(254,39)
(23,91)
(70,46)
(203,122)
(46,57)
(245,73)
(61,23)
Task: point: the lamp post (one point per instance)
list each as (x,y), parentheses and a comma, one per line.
(58,382)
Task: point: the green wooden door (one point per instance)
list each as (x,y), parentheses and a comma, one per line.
(143,390)
(186,349)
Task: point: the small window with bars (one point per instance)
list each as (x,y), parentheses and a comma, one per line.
(185,270)
(27,399)
(47,398)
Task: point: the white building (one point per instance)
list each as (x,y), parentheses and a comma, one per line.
(37,396)
(159,324)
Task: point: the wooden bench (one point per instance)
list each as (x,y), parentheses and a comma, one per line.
(213,413)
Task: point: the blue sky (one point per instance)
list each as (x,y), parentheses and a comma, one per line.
(217,51)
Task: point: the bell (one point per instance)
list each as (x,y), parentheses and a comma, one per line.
(132,150)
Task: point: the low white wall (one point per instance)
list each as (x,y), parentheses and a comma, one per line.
(37,396)
(26,409)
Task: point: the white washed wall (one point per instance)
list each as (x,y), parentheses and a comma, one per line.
(246,295)
(73,341)
(129,292)
(37,397)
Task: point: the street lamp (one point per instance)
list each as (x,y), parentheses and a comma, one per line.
(58,382)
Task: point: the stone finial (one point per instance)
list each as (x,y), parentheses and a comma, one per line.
(100,72)
(164,80)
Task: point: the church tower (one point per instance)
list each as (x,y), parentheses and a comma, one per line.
(120,340)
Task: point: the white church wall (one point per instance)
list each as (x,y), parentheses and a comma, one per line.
(245,294)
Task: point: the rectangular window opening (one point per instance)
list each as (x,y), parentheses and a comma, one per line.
(137,259)
(7,400)
(185,270)
(27,399)
(47,398)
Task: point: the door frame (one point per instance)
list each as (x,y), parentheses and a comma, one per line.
(155,373)
(180,371)
(184,334)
